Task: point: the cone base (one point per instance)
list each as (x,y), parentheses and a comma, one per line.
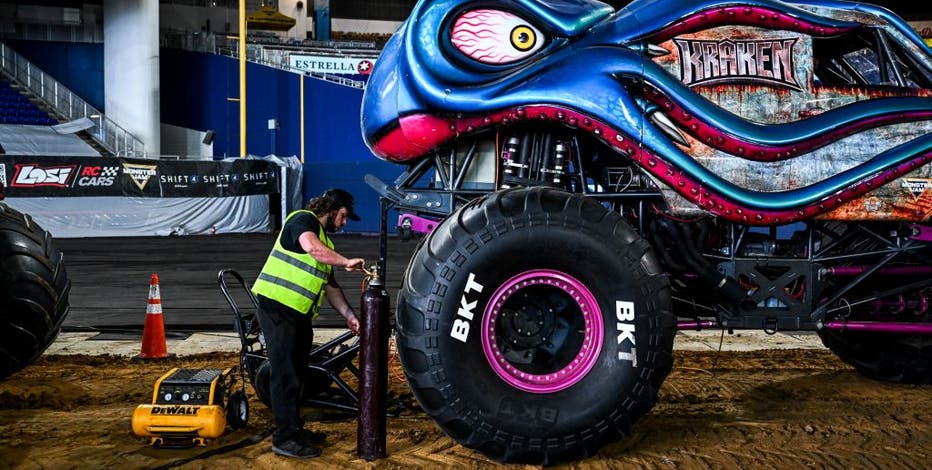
(154,345)
(150,357)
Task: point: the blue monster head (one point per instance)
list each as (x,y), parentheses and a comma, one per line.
(459,66)
(466,57)
(456,58)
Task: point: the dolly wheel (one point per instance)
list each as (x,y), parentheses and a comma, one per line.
(237,410)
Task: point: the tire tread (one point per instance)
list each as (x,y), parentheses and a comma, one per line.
(475,224)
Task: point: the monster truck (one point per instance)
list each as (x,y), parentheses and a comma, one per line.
(600,178)
(33,290)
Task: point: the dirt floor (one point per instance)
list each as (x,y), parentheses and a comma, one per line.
(730,410)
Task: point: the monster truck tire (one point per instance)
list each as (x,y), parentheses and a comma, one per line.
(891,358)
(486,283)
(33,291)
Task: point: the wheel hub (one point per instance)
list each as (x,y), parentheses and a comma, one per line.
(542,331)
(530,324)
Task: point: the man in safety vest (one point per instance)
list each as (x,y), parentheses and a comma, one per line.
(295,276)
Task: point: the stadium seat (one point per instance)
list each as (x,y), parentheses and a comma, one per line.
(16,108)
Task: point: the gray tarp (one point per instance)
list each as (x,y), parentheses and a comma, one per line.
(76,217)
(291,180)
(42,140)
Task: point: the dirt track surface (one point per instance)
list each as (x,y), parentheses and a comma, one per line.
(760,409)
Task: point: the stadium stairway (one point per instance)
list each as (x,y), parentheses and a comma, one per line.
(17,108)
(18,105)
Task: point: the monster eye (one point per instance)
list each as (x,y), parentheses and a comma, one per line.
(495,37)
(523,38)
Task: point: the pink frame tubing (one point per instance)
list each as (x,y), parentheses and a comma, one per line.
(881,327)
(418,224)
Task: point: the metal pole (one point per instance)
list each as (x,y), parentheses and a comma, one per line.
(242,78)
(301,111)
(384,205)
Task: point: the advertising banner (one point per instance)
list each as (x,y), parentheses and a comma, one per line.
(204,178)
(102,176)
(334,65)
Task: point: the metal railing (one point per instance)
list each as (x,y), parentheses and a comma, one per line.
(278,59)
(69,105)
(272,55)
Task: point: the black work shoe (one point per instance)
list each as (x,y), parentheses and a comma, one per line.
(311,437)
(295,449)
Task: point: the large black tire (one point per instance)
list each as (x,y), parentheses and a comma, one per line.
(887,357)
(33,291)
(515,276)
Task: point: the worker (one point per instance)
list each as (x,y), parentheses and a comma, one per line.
(296,273)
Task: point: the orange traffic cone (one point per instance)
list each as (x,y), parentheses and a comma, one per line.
(153,333)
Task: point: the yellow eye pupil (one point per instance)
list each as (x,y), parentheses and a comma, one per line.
(523,38)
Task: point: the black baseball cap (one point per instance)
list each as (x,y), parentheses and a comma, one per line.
(343,199)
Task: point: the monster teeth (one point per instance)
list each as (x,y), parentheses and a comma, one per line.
(654,50)
(668,128)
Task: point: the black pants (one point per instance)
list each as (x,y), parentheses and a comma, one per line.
(288,337)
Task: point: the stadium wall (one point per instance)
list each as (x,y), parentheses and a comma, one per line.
(195,92)
(78,66)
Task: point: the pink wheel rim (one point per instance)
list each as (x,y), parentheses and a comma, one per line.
(581,360)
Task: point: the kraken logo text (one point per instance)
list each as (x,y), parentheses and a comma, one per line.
(763,61)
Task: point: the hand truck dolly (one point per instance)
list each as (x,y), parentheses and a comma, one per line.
(322,384)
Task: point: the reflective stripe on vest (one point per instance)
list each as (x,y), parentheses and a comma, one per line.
(294,279)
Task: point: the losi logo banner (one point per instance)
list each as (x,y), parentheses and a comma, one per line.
(32,175)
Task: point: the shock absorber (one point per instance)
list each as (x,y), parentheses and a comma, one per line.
(508,160)
(559,160)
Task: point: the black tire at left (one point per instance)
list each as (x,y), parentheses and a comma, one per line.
(33,291)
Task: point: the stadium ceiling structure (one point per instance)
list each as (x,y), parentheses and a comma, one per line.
(398,9)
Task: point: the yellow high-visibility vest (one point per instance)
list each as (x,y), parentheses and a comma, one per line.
(294,279)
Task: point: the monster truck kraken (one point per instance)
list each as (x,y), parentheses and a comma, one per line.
(599,179)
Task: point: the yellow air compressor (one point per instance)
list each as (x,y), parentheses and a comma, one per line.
(188,408)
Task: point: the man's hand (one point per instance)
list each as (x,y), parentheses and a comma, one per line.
(354,264)
(353,324)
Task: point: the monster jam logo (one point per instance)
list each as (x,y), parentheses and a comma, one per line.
(139,173)
(917,186)
(762,61)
